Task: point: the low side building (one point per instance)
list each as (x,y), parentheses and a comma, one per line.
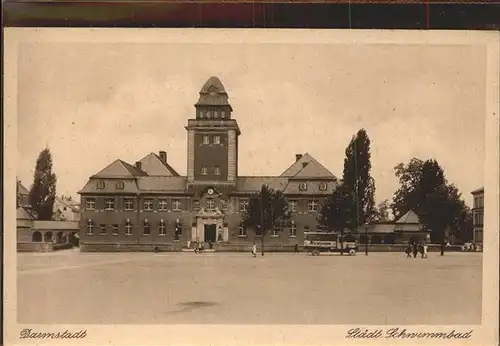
(406,229)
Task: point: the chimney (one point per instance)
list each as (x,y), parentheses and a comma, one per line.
(298,157)
(163,156)
(138,165)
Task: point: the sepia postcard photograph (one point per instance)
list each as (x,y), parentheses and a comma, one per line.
(251,187)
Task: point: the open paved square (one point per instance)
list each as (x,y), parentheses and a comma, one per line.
(233,288)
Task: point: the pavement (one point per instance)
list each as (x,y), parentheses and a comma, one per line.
(70,287)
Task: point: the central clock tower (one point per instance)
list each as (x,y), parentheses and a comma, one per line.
(212,139)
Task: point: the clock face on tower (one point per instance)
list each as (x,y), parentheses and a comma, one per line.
(210,192)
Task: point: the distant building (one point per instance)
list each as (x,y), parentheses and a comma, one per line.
(38,235)
(478,215)
(406,229)
(66,209)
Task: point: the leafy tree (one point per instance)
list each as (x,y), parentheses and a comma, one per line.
(337,211)
(43,191)
(381,213)
(267,210)
(424,189)
(357,178)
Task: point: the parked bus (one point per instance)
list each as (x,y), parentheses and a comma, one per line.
(317,242)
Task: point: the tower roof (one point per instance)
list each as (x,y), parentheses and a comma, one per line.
(213,84)
(213,93)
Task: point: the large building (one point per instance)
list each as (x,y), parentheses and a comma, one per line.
(478,215)
(148,204)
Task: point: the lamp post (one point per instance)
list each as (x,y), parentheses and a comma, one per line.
(366,237)
(262,223)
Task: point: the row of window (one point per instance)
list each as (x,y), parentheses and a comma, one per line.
(215,139)
(162,229)
(215,114)
(120,185)
(128,227)
(215,170)
(210,205)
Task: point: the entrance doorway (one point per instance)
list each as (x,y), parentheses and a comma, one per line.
(210,233)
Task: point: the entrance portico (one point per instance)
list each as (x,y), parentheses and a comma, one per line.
(209,227)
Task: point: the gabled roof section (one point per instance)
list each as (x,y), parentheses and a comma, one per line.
(162,184)
(152,165)
(409,217)
(308,167)
(119,169)
(21,189)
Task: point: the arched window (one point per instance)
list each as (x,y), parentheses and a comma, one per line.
(323,186)
(47,237)
(36,237)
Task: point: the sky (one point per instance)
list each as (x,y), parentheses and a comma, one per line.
(92,103)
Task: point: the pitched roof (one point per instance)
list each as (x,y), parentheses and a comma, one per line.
(21,189)
(154,166)
(409,217)
(119,169)
(409,222)
(129,187)
(23,214)
(162,184)
(307,167)
(254,184)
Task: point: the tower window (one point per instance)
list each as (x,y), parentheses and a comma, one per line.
(217,139)
(204,171)
(223,114)
(209,114)
(216,170)
(216,114)
(206,139)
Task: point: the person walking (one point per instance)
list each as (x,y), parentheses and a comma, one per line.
(414,246)
(254,250)
(425,248)
(408,252)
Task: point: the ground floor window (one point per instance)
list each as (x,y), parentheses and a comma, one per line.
(275,232)
(90,227)
(242,232)
(293,229)
(103,229)
(128,227)
(115,229)
(147,228)
(162,230)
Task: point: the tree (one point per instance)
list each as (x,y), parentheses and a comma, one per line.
(357,178)
(43,191)
(267,210)
(425,190)
(336,214)
(381,213)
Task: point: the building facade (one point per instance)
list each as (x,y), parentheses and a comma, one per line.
(146,205)
(478,215)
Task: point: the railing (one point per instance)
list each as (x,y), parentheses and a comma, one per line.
(214,122)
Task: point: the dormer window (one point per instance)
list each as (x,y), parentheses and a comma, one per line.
(120,185)
(323,186)
(303,186)
(101,185)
